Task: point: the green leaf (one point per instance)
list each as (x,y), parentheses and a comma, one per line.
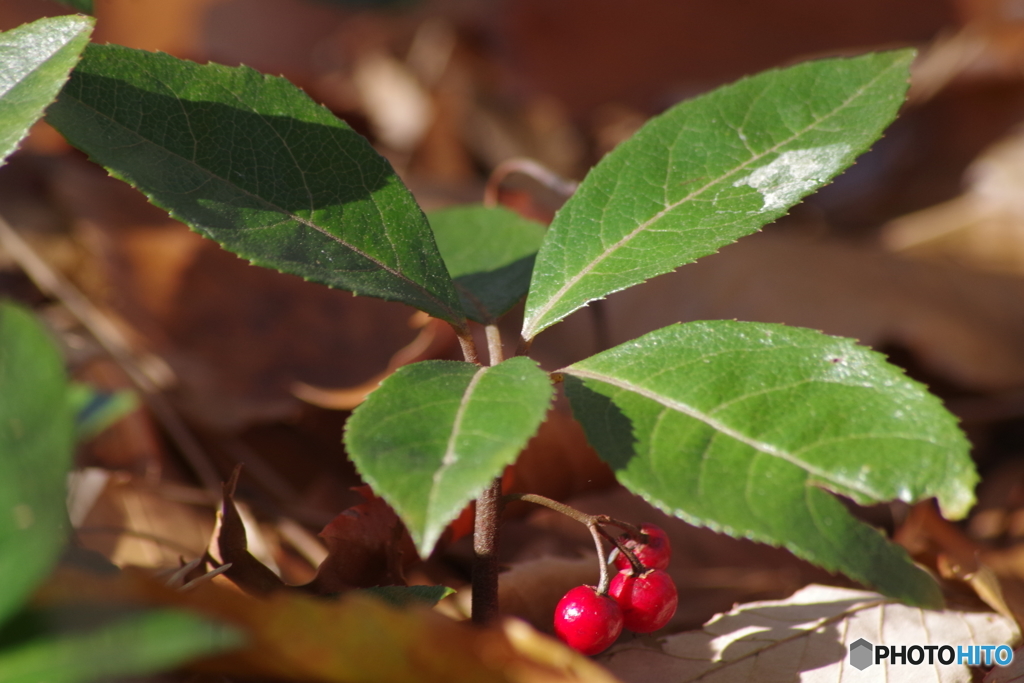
(84,6)
(250,161)
(403,596)
(132,646)
(740,426)
(709,171)
(435,434)
(36,440)
(490,253)
(35,60)
(96,410)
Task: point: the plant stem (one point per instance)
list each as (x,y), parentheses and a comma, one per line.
(596,525)
(581,517)
(528,167)
(485,525)
(485,547)
(524,347)
(494,349)
(634,562)
(468,345)
(602,559)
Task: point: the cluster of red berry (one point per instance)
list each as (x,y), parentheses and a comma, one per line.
(641,597)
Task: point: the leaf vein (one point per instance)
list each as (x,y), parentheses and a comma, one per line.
(457,315)
(643,226)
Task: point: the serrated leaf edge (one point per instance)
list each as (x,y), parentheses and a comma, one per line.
(760,446)
(532,325)
(457,315)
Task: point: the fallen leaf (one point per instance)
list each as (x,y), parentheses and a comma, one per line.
(237,336)
(807,637)
(135,523)
(983,228)
(367,545)
(435,340)
(246,571)
(530,590)
(350,640)
(396,103)
(558,462)
(960,325)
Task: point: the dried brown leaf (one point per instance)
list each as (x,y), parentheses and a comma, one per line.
(963,326)
(246,571)
(367,545)
(807,637)
(982,228)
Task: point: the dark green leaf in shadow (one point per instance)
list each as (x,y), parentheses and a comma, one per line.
(435,434)
(743,427)
(709,171)
(36,440)
(401,596)
(490,253)
(252,162)
(35,60)
(84,6)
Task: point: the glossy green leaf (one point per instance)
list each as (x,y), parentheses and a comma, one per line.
(36,439)
(435,434)
(742,427)
(489,252)
(141,644)
(250,161)
(35,60)
(709,171)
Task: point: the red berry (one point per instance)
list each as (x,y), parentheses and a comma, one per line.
(588,621)
(655,553)
(648,601)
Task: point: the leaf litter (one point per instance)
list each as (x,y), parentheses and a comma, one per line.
(963,331)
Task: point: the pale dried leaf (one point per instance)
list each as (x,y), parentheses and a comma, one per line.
(394,101)
(134,523)
(85,486)
(806,637)
(961,325)
(984,226)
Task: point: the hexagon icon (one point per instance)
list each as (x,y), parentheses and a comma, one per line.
(860,654)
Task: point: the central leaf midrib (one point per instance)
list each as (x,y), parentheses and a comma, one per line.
(721,427)
(450,457)
(806,630)
(274,207)
(39,66)
(528,333)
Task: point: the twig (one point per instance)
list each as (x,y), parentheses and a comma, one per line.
(527,167)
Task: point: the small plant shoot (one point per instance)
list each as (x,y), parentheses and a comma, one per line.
(750,429)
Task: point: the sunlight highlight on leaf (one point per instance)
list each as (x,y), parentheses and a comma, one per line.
(709,171)
(436,433)
(740,426)
(35,60)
